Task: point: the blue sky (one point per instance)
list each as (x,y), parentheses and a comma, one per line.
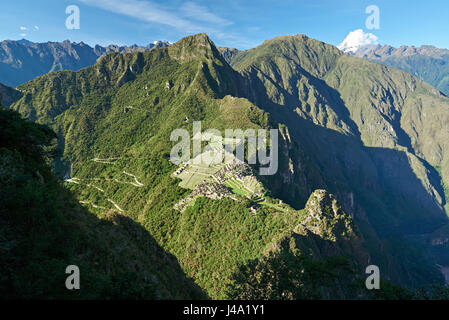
(242,24)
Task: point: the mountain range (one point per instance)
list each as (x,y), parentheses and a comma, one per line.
(428,63)
(362,179)
(21,61)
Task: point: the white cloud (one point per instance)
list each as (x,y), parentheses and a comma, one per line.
(253,29)
(188,18)
(357,38)
(23,35)
(36,28)
(146,11)
(23,28)
(196,12)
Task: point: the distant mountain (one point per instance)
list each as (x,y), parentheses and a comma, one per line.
(228,53)
(23,60)
(25,42)
(429,63)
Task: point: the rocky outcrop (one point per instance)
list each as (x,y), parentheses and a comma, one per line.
(323,257)
(229,53)
(325,217)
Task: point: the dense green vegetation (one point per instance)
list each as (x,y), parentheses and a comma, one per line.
(215,236)
(346,125)
(287,276)
(211,238)
(43,229)
(371,132)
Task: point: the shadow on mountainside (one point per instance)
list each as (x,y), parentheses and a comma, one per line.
(384,173)
(43,229)
(377,186)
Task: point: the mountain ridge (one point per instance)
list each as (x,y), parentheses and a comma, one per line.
(425,62)
(22,61)
(283,96)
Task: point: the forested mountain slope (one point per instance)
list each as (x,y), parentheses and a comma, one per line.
(365,103)
(378,134)
(43,229)
(346,125)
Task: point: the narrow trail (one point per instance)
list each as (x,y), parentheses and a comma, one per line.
(137,184)
(72,180)
(111,161)
(99,189)
(131,107)
(92,204)
(115,205)
(106,160)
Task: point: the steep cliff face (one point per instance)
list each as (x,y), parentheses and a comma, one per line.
(336,233)
(422,112)
(322,257)
(229,54)
(350,114)
(359,123)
